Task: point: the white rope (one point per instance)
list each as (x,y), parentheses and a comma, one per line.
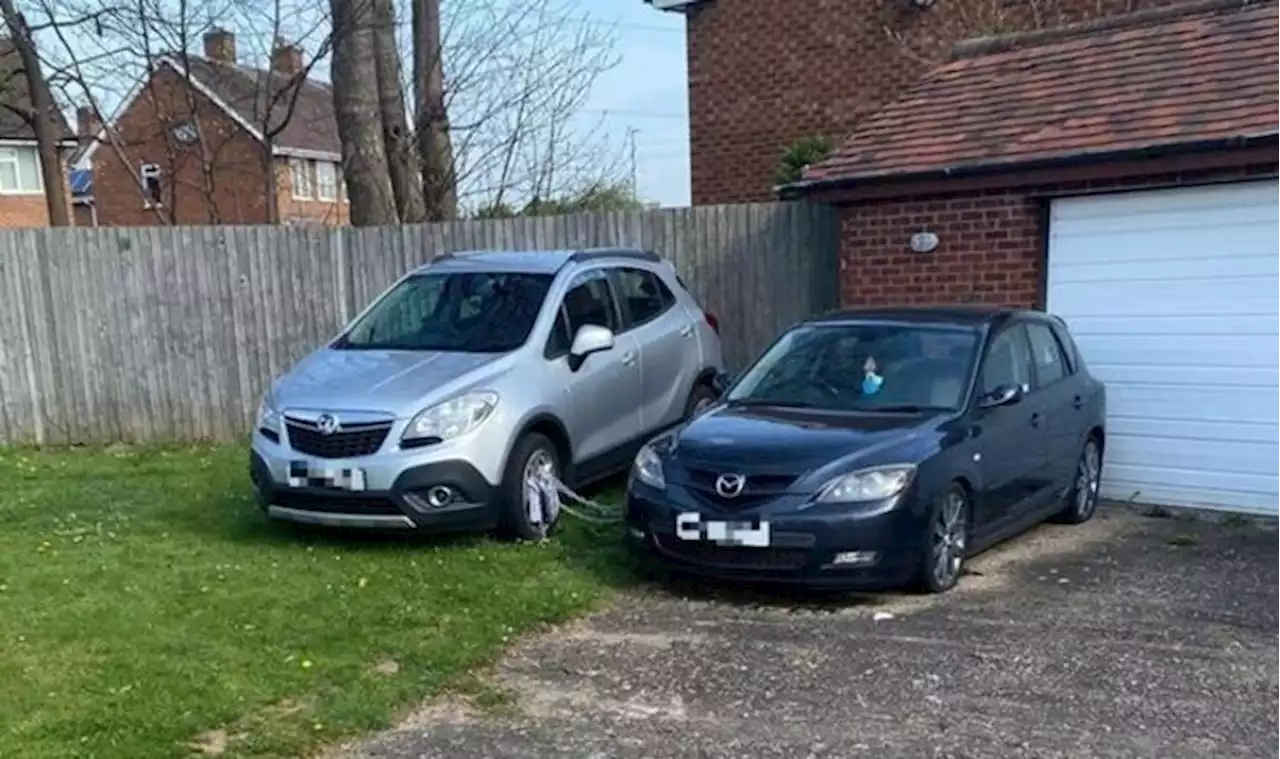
(545,503)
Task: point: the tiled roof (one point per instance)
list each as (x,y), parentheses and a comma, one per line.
(18,92)
(1162,79)
(253,92)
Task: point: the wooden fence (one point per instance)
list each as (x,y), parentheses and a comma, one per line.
(170,334)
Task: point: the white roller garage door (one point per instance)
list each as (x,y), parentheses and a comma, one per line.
(1173,297)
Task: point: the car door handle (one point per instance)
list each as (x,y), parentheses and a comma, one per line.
(686,330)
(1035,419)
(629,358)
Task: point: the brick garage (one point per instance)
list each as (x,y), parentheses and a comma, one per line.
(1121,174)
(973,152)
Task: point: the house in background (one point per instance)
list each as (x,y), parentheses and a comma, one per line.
(22,197)
(1120,173)
(765,73)
(206,140)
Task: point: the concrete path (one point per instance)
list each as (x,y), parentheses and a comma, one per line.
(1130,636)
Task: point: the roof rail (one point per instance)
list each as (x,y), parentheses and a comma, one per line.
(591,255)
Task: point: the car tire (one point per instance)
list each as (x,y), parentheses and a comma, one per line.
(700,398)
(531,450)
(946,541)
(1082,499)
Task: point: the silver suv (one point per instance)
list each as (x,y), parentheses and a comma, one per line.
(469,378)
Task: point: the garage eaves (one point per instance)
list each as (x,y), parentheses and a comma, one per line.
(1187,86)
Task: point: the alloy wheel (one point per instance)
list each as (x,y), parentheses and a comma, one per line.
(949,539)
(538,469)
(1088,477)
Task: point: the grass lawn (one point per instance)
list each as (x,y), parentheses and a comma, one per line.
(145,601)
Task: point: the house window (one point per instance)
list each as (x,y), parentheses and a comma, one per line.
(149,174)
(301,171)
(326,180)
(20,172)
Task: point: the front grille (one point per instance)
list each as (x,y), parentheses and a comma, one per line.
(348,442)
(758,488)
(732,557)
(330,504)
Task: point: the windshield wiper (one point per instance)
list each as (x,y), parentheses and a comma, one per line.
(904,408)
(767,402)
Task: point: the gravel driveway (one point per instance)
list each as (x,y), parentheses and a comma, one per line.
(1130,636)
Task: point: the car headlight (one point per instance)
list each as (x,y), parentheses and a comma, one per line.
(648,464)
(452,418)
(874,484)
(268,416)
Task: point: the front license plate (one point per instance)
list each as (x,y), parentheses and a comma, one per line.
(303,474)
(691,526)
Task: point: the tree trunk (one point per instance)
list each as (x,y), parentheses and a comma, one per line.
(395,124)
(439,180)
(43,117)
(355,102)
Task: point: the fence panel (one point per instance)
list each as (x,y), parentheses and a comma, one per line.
(171,334)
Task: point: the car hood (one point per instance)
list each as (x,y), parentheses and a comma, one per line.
(389,381)
(794,442)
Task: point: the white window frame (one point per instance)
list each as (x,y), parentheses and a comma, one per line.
(304,190)
(151,171)
(9,154)
(332,192)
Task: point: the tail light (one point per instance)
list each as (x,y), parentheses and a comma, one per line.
(712,320)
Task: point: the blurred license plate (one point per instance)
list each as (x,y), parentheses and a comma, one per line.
(691,526)
(303,474)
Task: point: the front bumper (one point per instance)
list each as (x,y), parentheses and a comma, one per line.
(805,546)
(399,502)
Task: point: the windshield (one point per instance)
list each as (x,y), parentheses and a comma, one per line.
(468,312)
(863,367)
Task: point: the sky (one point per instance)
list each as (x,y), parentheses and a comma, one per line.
(647,91)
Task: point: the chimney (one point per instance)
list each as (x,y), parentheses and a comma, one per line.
(220,46)
(87,125)
(286,59)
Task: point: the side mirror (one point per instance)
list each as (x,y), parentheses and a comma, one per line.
(1005,395)
(721,382)
(591,338)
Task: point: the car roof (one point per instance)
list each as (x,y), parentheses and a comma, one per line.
(976,315)
(532,261)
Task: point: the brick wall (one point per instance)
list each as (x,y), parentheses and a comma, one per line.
(233,192)
(309,211)
(28,211)
(991,243)
(765,72)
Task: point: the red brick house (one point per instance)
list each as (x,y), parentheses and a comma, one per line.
(207,140)
(22,196)
(1121,173)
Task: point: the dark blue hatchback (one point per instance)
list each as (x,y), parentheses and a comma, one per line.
(875,449)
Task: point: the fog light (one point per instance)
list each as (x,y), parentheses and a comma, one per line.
(636,533)
(855,558)
(439,496)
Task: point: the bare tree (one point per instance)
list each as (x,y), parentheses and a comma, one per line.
(357,108)
(435,148)
(517,77)
(401,156)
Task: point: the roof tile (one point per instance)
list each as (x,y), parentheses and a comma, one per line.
(1175,79)
(254,93)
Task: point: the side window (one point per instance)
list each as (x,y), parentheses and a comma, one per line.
(1068,348)
(588,301)
(1008,361)
(1050,366)
(644,293)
